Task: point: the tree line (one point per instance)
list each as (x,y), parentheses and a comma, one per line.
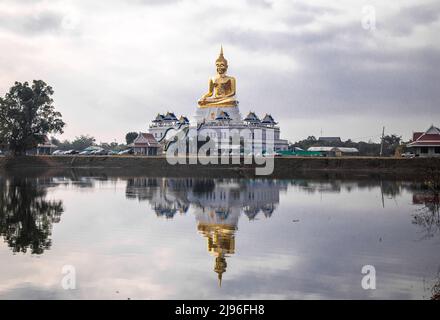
(392,144)
(84,141)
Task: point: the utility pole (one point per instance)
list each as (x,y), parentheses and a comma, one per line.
(381,142)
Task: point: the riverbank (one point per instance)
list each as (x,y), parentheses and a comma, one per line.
(284,167)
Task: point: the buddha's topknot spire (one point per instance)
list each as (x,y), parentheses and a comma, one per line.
(221,58)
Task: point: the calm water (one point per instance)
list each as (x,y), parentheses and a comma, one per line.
(184,238)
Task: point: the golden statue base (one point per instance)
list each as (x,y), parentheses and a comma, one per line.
(220,104)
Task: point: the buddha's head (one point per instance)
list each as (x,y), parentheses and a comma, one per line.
(221,63)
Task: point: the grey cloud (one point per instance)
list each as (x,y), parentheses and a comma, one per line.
(260,3)
(43,22)
(410,17)
(420,14)
(319,10)
(154,2)
(337,64)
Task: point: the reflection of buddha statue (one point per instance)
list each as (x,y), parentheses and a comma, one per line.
(221,87)
(221,242)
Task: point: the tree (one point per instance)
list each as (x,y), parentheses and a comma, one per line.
(390,144)
(129,137)
(27,115)
(55,141)
(392,139)
(82,142)
(105,145)
(114,145)
(306,143)
(64,145)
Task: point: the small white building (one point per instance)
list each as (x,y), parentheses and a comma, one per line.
(44,148)
(334,151)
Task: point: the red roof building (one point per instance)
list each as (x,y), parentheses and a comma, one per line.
(145,144)
(426,144)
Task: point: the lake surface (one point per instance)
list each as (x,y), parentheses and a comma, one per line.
(207,238)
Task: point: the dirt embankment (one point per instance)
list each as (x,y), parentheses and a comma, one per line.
(284,167)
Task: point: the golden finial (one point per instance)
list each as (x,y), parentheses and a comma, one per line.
(220,280)
(220,267)
(221,58)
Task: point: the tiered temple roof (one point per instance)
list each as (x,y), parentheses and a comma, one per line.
(159,118)
(252,118)
(268,119)
(223,116)
(170,116)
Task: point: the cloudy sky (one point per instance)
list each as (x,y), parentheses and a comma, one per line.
(347,68)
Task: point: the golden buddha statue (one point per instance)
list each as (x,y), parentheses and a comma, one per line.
(221,87)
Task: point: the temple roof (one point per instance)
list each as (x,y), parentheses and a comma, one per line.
(433,130)
(268,119)
(170,116)
(430,137)
(330,139)
(145,140)
(159,118)
(223,116)
(252,117)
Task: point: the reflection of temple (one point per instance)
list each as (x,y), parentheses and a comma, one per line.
(225,196)
(163,194)
(216,203)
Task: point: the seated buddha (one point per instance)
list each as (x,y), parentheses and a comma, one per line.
(221,87)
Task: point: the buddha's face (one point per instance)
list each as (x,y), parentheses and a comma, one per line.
(221,67)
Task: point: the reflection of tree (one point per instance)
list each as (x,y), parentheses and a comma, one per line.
(428,194)
(436,290)
(26,217)
(428,218)
(391,189)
